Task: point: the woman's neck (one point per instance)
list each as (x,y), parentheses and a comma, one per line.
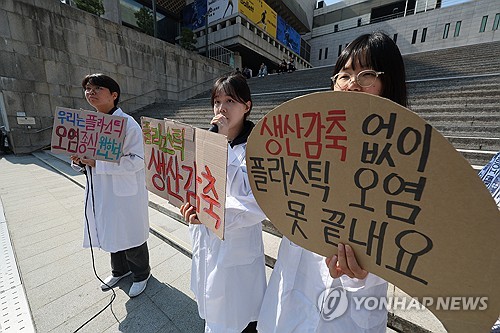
(106,109)
(234,132)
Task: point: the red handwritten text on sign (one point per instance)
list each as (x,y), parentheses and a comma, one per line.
(184,165)
(317,130)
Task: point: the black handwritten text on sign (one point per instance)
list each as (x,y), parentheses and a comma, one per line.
(352,168)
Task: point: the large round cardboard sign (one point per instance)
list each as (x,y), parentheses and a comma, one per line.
(353,168)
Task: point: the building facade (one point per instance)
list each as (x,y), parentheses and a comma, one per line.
(419,28)
(257,31)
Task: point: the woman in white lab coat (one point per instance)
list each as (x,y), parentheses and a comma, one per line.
(116,212)
(228,277)
(308,293)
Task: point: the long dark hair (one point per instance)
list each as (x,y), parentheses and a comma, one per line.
(102,80)
(234,85)
(379,52)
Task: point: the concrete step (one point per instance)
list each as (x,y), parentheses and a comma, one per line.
(475,143)
(455,110)
(457,69)
(477,157)
(472,80)
(464,87)
(459,101)
(462,120)
(416,93)
(480,131)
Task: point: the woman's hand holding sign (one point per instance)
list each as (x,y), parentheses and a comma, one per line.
(87,161)
(345,263)
(189,214)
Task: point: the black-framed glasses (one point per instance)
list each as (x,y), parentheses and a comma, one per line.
(93,89)
(364,78)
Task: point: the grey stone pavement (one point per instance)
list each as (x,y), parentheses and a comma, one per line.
(43,211)
(47,282)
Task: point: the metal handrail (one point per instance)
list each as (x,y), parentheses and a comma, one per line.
(141,95)
(179,93)
(39,131)
(220,53)
(207,82)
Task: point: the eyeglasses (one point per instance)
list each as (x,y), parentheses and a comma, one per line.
(95,89)
(364,78)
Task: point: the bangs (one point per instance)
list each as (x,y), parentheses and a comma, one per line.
(234,86)
(361,57)
(97,81)
(362,52)
(227,89)
(102,80)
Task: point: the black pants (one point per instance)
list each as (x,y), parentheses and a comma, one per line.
(135,260)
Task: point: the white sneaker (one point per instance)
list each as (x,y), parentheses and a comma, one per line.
(111,280)
(138,287)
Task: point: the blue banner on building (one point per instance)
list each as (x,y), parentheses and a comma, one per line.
(193,14)
(287,35)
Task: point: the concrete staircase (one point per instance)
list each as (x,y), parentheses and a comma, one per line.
(455,90)
(457,61)
(466,111)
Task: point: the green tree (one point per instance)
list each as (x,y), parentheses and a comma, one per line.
(188,40)
(145,20)
(92,6)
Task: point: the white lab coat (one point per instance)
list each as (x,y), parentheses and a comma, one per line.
(228,277)
(291,303)
(121,217)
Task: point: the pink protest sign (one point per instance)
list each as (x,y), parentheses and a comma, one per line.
(88,134)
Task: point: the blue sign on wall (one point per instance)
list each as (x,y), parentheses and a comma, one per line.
(287,35)
(192,14)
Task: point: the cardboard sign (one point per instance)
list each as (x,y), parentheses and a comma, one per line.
(88,134)
(211,165)
(184,163)
(169,160)
(353,168)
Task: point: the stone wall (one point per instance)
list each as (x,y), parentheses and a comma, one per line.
(46,48)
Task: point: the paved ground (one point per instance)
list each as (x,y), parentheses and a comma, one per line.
(41,213)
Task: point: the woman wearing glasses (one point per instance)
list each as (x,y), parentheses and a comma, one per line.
(295,299)
(116,204)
